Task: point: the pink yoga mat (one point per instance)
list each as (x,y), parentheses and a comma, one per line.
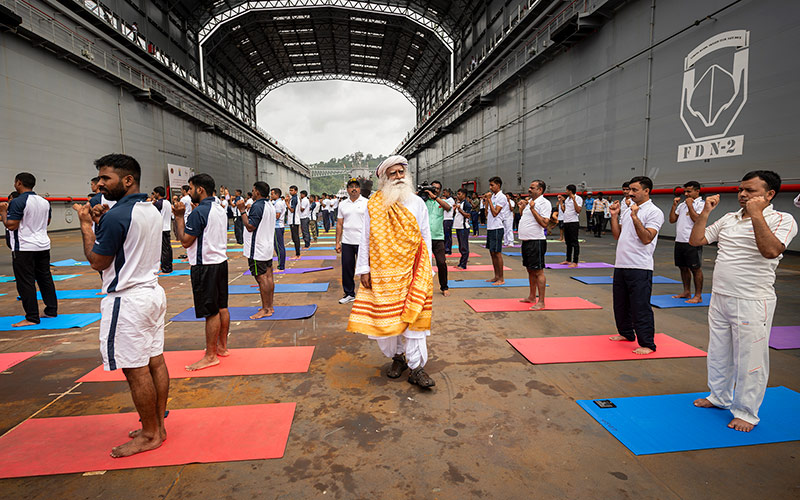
(9,359)
(581,265)
(475,268)
(456,255)
(64,445)
(598,348)
(513,305)
(250,361)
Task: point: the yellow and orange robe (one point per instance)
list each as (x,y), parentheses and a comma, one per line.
(402,279)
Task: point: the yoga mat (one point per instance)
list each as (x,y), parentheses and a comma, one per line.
(483,284)
(785,337)
(180,272)
(310,257)
(56,277)
(581,265)
(280,288)
(69,262)
(647,424)
(60,322)
(62,445)
(456,255)
(180,261)
(511,305)
(608,280)
(251,361)
(667,302)
(454,269)
(235,250)
(9,359)
(6,279)
(75,294)
(559,241)
(330,249)
(582,349)
(244,313)
(547,254)
(296,270)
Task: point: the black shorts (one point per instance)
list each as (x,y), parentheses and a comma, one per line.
(688,256)
(209,288)
(533,253)
(258,267)
(494,240)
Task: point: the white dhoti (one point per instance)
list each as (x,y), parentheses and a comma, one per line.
(738,353)
(415,348)
(508,230)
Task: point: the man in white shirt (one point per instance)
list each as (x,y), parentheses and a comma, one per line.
(314,224)
(27,218)
(326,207)
(396,293)
(206,239)
(462,209)
(532,223)
(236,212)
(165,208)
(599,209)
(570,206)
(349,225)
(688,259)
(508,222)
(293,207)
(187,201)
(447,221)
(751,242)
(259,245)
(636,234)
(280,212)
(496,204)
(305,218)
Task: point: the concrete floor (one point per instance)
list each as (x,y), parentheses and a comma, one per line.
(495,426)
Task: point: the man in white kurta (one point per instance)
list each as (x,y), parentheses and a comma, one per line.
(751,242)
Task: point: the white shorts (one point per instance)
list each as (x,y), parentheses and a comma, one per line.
(132,327)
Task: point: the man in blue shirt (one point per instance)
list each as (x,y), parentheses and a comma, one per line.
(127,250)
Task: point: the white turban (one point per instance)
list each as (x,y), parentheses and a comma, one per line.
(388,162)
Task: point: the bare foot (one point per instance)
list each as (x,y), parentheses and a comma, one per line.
(263,313)
(446,293)
(24,322)
(136,445)
(222,351)
(206,362)
(499,282)
(529,300)
(538,306)
(491,280)
(643,351)
(740,425)
(704,403)
(573,264)
(564,263)
(695,300)
(684,295)
(619,338)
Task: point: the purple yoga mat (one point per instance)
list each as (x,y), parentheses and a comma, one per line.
(311,257)
(785,337)
(581,265)
(296,270)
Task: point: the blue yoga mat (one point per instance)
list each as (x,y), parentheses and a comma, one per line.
(60,322)
(330,249)
(280,288)
(6,279)
(180,261)
(608,280)
(75,294)
(483,284)
(56,277)
(244,313)
(647,425)
(547,254)
(666,301)
(235,250)
(181,272)
(69,262)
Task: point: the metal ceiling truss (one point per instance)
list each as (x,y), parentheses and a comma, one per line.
(321,77)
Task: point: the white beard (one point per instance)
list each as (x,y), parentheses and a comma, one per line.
(396,191)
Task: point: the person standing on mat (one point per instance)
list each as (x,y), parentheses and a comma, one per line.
(292,205)
(396,291)
(236,212)
(305,218)
(571,206)
(688,259)
(280,211)
(205,235)
(496,205)
(533,221)
(259,245)
(636,232)
(127,250)
(349,224)
(476,215)
(436,208)
(447,221)
(26,217)
(314,223)
(463,212)
(165,208)
(751,242)
(326,223)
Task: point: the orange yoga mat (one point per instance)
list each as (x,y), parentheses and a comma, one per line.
(598,348)
(250,361)
(65,445)
(455,269)
(512,305)
(9,359)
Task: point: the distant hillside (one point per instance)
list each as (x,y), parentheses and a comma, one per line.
(332,184)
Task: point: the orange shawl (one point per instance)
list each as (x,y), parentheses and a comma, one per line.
(402,280)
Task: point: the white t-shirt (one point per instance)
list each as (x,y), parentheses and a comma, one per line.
(259,244)
(741,271)
(249,203)
(459,222)
(335,204)
(529,228)
(352,215)
(451,214)
(498,200)
(280,212)
(187,203)
(166,214)
(684,224)
(33,213)
(209,224)
(631,252)
(326,205)
(315,211)
(570,214)
(304,206)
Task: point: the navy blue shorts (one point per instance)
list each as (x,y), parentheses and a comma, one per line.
(494,240)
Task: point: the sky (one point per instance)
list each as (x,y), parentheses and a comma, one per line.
(318,121)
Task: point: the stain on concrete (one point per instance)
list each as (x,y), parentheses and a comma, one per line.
(546,389)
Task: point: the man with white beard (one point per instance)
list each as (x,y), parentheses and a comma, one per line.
(394,263)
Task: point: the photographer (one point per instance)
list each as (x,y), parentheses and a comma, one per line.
(436,208)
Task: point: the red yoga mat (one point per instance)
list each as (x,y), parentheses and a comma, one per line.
(251,361)
(9,359)
(598,348)
(65,445)
(511,305)
(475,268)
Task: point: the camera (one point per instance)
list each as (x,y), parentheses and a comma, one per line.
(422,190)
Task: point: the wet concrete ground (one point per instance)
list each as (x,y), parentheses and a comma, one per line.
(495,426)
